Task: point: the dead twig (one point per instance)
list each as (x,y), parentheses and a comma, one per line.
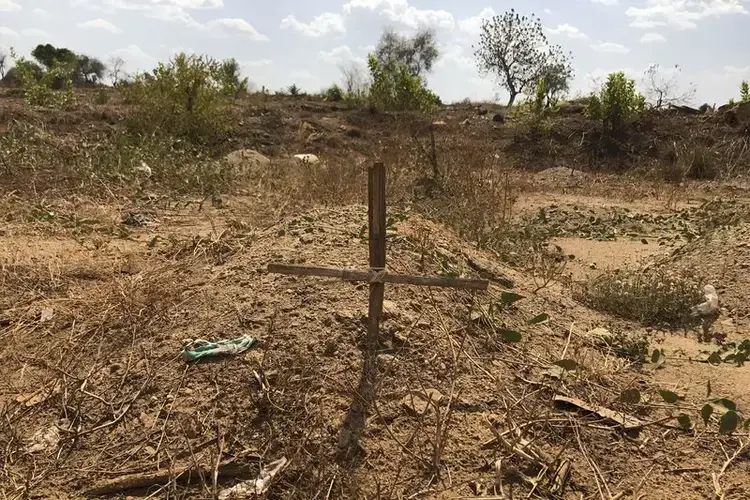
(716,477)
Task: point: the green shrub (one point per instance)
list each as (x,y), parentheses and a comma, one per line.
(185,97)
(395,88)
(651,297)
(52,88)
(230,79)
(617,103)
(333,93)
(745,91)
(294,90)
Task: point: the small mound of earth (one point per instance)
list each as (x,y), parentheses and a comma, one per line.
(722,258)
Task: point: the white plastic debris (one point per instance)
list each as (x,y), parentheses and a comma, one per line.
(307,159)
(708,311)
(710,306)
(257,486)
(46,439)
(144,168)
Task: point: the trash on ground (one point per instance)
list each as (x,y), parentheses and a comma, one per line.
(255,487)
(200,348)
(46,439)
(307,158)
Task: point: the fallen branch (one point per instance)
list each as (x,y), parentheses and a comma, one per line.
(626,421)
(149,479)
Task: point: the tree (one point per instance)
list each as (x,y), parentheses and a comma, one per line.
(116,63)
(395,88)
(230,77)
(617,103)
(745,91)
(355,80)
(90,69)
(48,55)
(514,48)
(418,53)
(3,59)
(663,88)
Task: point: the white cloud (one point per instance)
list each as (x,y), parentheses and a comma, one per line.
(610,47)
(455,56)
(9,6)
(236,26)
(99,24)
(737,71)
(605,2)
(339,55)
(324,24)
(135,58)
(5,31)
(682,14)
(34,32)
(399,11)
(40,12)
(472,25)
(653,38)
(164,10)
(548,11)
(567,30)
(260,63)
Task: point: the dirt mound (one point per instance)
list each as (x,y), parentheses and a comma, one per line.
(97,392)
(722,258)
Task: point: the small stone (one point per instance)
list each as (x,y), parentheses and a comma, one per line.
(306,239)
(281,233)
(418,403)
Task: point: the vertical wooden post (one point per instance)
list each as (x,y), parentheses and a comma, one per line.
(377,223)
(349,439)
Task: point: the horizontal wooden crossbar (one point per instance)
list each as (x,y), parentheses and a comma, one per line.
(375,277)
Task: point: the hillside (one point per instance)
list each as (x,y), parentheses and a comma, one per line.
(571,377)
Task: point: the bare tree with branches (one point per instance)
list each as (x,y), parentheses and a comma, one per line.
(355,79)
(663,87)
(116,63)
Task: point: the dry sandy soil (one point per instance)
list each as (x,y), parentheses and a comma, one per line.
(97,303)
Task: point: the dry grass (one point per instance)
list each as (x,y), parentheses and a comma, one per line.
(652,297)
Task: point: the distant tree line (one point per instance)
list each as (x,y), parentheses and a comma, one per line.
(81,68)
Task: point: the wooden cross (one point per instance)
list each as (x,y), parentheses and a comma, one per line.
(377,276)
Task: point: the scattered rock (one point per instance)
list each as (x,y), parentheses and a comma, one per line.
(246,161)
(489,271)
(307,159)
(498,117)
(466,122)
(418,402)
(481,111)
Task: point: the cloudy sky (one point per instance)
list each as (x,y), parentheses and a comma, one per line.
(290,41)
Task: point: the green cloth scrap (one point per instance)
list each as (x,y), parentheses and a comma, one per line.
(203,348)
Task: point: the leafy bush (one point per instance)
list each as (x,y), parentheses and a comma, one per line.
(745,91)
(617,103)
(395,88)
(230,79)
(185,97)
(52,88)
(652,297)
(333,93)
(294,90)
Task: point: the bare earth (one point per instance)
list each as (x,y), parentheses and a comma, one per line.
(94,313)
